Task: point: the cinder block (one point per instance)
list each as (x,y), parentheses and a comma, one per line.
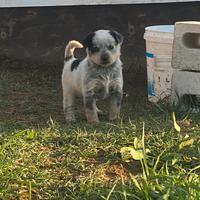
(186,46)
(184,83)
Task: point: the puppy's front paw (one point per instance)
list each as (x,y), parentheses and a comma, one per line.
(92,116)
(114,116)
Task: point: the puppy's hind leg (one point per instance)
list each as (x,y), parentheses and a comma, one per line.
(68,104)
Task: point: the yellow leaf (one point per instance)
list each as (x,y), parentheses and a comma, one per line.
(186,143)
(137,154)
(130,152)
(125,153)
(176,126)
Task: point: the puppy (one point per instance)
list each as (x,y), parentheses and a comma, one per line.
(98,76)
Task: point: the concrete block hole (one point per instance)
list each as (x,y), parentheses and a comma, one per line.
(191,40)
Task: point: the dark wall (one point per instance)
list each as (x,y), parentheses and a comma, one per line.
(40,34)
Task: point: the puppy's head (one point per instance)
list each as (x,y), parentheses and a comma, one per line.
(103,47)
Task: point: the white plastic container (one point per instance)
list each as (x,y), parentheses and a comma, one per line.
(159,42)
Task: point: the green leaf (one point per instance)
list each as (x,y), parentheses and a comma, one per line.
(31,134)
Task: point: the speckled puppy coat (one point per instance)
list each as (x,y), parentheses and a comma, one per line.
(98,76)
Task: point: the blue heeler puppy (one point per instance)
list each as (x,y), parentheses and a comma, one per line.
(98,76)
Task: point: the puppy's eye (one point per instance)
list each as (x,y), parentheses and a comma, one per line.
(110,47)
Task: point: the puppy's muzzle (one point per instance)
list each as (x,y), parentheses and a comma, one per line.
(105,59)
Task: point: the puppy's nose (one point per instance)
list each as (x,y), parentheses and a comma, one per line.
(105,58)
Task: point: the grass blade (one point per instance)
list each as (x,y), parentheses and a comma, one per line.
(30,191)
(144,152)
(111,191)
(135,181)
(123,188)
(157,161)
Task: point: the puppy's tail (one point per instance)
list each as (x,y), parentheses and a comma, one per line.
(71,46)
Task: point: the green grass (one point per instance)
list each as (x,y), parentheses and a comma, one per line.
(42,157)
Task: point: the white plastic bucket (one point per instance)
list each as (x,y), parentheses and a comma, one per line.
(159,42)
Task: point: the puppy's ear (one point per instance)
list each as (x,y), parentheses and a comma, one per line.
(87,42)
(117,36)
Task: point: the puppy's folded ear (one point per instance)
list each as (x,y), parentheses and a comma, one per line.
(87,42)
(117,36)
